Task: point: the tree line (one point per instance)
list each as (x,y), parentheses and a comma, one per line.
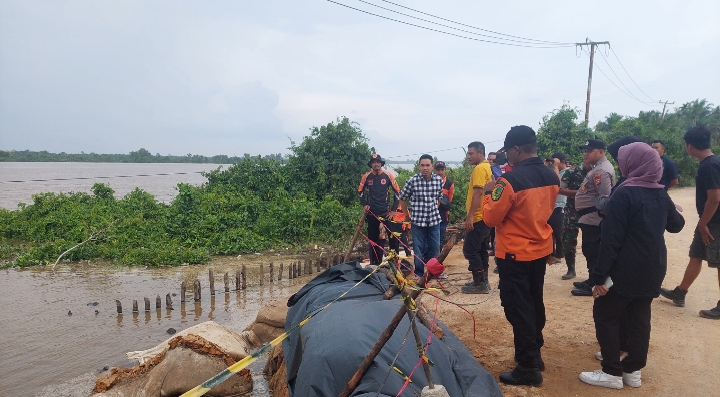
(139,156)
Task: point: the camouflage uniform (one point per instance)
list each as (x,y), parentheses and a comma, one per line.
(572,179)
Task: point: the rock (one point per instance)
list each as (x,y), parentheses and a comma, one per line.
(69,313)
(171,331)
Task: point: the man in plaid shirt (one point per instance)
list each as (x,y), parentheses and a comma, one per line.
(423,191)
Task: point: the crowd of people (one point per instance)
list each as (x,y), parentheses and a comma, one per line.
(527,212)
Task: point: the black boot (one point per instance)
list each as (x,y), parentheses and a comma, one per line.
(522,376)
(477,286)
(570,261)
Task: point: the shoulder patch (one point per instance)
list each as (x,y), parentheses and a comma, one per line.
(498,190)
(597,179)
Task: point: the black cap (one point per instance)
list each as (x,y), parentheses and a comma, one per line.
(614,147)
(376,157)
(518,136)
(560,156)
(593,144)
(440,165)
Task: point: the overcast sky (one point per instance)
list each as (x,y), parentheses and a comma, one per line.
(234,77)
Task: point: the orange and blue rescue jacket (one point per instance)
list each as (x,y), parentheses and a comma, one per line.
(374,190)
(519,207)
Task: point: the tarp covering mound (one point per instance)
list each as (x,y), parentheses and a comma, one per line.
(325,353)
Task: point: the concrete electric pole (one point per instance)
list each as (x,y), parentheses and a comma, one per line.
(592,45)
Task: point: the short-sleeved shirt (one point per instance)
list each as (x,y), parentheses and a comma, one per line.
(598,181)
(707,178)
(423,195)
(670,172)
(481,175)
(374,190)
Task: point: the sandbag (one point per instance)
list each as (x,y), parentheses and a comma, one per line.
(273,313)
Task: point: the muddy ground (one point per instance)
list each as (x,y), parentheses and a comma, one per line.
(684,356)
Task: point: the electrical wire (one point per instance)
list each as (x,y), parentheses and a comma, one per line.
(654,103)
(448,33)
(626,72)
(461,30)
(612,82)
(470,26)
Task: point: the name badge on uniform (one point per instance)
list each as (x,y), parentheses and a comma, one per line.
(597,179)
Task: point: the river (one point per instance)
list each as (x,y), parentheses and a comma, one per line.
(62,324)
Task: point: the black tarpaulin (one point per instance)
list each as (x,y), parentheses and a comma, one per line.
(324,354)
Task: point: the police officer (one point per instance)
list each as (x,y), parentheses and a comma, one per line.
(519,205)
(598,182)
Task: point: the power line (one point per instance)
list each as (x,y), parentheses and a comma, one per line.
(461,30)
(613,83)
(620,80)
(443,32)
(626,72)
(470,26)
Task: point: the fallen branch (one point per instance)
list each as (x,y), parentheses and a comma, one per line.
(91,238)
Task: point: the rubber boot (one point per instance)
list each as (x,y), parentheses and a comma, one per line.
(570,261)
(478,286)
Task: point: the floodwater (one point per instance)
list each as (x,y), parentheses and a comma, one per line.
(19,181)
(44,345)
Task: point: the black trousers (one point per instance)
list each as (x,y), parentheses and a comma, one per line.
(373,233)
(590,245)
(475,248)
(556,223)
(521,295)
(612,313)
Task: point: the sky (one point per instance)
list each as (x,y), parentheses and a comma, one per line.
(235,77)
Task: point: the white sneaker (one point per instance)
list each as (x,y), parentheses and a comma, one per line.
(632,379)
(600,378)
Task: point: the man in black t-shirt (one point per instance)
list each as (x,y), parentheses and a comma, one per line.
(706,241)
(670,170)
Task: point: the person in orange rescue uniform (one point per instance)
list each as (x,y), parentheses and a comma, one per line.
(519,205)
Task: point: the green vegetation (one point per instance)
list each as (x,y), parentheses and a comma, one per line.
(561,131)
(139,156)
(254,205)
(261,203)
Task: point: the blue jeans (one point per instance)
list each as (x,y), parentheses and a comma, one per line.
(426,245)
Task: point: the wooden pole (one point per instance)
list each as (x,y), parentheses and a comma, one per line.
(183,289)
(168,302)
(317,265)
(238,280)
(119,306)
(290,273)
(158,303)
(196,290)
(135,306)
(272,272)
(147,304)
(243,274)
(262,274)
(212,281)
(361,222)
(226,281)
(280,272)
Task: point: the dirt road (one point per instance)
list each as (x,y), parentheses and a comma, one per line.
(684,357)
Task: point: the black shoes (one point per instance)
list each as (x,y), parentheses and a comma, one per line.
(582,288)
(677,296)
(713,314)
(581,292)
(522,376)
(587,284)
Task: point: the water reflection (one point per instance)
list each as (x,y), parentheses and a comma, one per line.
(42,345)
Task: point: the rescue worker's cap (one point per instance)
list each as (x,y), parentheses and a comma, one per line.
(593,144)
(376,157)
(440,165)
(518,136)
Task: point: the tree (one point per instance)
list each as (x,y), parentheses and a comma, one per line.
(559,132)
(330,161)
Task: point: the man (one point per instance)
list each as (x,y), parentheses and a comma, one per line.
(423,190)
(670,169)
(569,186)
(706,241)
(518,205)
(448,190)
(475,248)
(494,166)
(557,162)
(598,182)
(374,191)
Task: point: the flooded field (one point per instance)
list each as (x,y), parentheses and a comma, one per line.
(59,325)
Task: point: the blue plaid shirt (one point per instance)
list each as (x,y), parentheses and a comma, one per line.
(423,195)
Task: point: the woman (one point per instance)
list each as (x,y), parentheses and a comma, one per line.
(633,255)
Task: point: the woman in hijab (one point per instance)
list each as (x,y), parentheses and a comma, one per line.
(631,266)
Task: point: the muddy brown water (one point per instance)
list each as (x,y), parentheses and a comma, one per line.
(44,346)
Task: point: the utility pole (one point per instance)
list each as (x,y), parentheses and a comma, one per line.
(662,116)
(592,45)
